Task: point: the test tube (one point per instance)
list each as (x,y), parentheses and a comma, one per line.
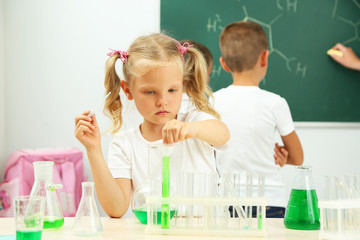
(210,214)
(189,193)
(237,184)
(354,186)
(249,186)
(260,210)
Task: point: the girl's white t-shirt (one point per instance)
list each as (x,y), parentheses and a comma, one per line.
(128,153)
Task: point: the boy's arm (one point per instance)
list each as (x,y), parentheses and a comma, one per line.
(293,147)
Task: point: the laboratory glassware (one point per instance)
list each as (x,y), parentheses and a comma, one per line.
(45,187)
(87,219)
(302,211)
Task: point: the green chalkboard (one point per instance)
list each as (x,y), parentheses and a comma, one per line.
(299,32)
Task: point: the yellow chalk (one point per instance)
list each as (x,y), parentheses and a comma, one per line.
(335,52)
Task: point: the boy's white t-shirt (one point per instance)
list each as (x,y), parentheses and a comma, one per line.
(128,154)
(186,104)
(253,115)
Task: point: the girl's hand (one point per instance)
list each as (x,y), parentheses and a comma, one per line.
(281,155)
(87,131)
(176,131)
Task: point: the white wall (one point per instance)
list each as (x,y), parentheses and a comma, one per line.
(55,56)
(330,148)
(56,53)
(2,89)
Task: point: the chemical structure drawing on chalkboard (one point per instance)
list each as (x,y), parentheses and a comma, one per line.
(215,24)
(356,25)
(300,32)
(299,69)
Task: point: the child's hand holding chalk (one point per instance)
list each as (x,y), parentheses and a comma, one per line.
(345,56)
(335,52)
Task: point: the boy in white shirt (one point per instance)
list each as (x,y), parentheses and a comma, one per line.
(253,115)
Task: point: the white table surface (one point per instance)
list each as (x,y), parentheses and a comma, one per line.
(131,228)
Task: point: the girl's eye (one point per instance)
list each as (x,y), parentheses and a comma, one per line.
(149,92)
(172,90)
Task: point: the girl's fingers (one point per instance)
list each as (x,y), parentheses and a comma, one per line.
(84,123)
(81,131)
(82,117)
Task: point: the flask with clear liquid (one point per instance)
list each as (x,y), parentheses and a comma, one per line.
(87,219)
(44,186)
(302,212)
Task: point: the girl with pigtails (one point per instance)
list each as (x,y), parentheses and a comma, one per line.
(155,77)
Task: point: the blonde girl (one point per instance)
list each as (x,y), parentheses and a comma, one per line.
(155,75)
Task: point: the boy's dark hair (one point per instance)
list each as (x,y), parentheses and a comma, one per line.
(203,49)
(241,44)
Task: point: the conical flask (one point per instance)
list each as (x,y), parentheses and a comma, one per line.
(302,212)
(87,219)
(44,186)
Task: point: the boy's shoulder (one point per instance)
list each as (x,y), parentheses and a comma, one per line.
(194,115)
(249,90)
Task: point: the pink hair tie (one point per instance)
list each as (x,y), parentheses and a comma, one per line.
(123,54)
(182,48)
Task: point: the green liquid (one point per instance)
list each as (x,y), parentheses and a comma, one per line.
(33,221)
(53,223)
(260,221)
(165,212)
(28,235)
(165,208)
(141,214)
(302,212)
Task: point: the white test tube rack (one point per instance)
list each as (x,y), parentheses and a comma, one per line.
(208,215)
(340,219)
(340,212)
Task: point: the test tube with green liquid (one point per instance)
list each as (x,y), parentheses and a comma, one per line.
(260,210)
(165,207)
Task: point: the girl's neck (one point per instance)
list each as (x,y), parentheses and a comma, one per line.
(151,133)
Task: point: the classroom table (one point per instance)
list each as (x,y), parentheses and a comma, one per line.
(131,228)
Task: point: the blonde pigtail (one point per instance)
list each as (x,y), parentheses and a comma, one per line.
(113,105)
(195,82)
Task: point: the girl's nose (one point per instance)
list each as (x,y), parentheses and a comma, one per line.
(161,100)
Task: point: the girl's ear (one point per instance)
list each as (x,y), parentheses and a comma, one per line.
(223,64)
(125,87)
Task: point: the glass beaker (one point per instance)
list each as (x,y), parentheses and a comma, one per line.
(87,219)
(138,202)
(45,187)
(29,213)
(302,212)
(157,154)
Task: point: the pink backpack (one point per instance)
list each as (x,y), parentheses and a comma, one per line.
(68,170)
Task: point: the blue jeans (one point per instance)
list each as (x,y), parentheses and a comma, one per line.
(271,212)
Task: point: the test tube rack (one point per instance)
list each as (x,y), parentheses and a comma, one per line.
(205,205)
(340,219)
(208,216)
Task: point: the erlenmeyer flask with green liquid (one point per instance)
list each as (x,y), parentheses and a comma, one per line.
(45,187)
(302,211)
